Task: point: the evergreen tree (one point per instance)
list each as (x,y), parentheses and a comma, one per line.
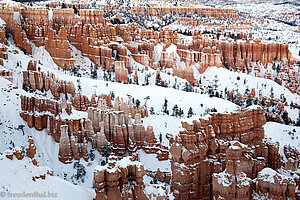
(112,95)
(24,86)
(158,79)
(165,107)
(79,86)
(190,112)
(146,99)
(137,103)
(147,79)
(263,103)
(298,121)
(175,110)
(180,112)
(94,72)
(285,118)
(151,111)
(106,152)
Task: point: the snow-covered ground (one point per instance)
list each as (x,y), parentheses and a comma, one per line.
(47,150)
(284,135)
(16,182)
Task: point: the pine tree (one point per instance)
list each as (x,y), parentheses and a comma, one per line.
(190,112)
(151,111)
(147,79)
(165,107)
(106,152)
(94,72)
(137,103)
(175,110)
(146,99)
(24,86)
(158,79)
(112,95)
(180,112)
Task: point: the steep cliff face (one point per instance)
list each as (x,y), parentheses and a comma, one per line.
(59,48)
(272,185)
(96,38)
(232,182)
(121,179)
(105,125)
(2,32)
(124,134)
(37,80)
(206,12)
(219,155)
(243,54)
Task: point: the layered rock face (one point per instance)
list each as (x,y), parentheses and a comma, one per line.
(3,53)
(218,156)
(36,24)
(2,33)
(208,12)
(106,125)
(121,72)
(103,127)
(8,75)
(124,135)
(71,147)
(232,183)
(18,153)
(121,179)
(37,80)
(20,37)
(97,39)
(242,54)
(31,151)
(37,112)
(272,185)
(59,48)
(293,157)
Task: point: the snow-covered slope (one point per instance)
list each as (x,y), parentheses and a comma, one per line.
(16,175)
(284,135)
(16,182)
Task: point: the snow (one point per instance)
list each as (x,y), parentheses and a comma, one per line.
(163,124)
(47,149)
(267,174)
(16,178)
(151,163)
(224,179)
(2,23)
(241,82)
(10,3)
(229,79)
(153,191)
(271,176)
(157,52)
(285,135)
(17,16)
(50,14)
(234,147)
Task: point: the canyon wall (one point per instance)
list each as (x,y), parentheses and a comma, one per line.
(221,155)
